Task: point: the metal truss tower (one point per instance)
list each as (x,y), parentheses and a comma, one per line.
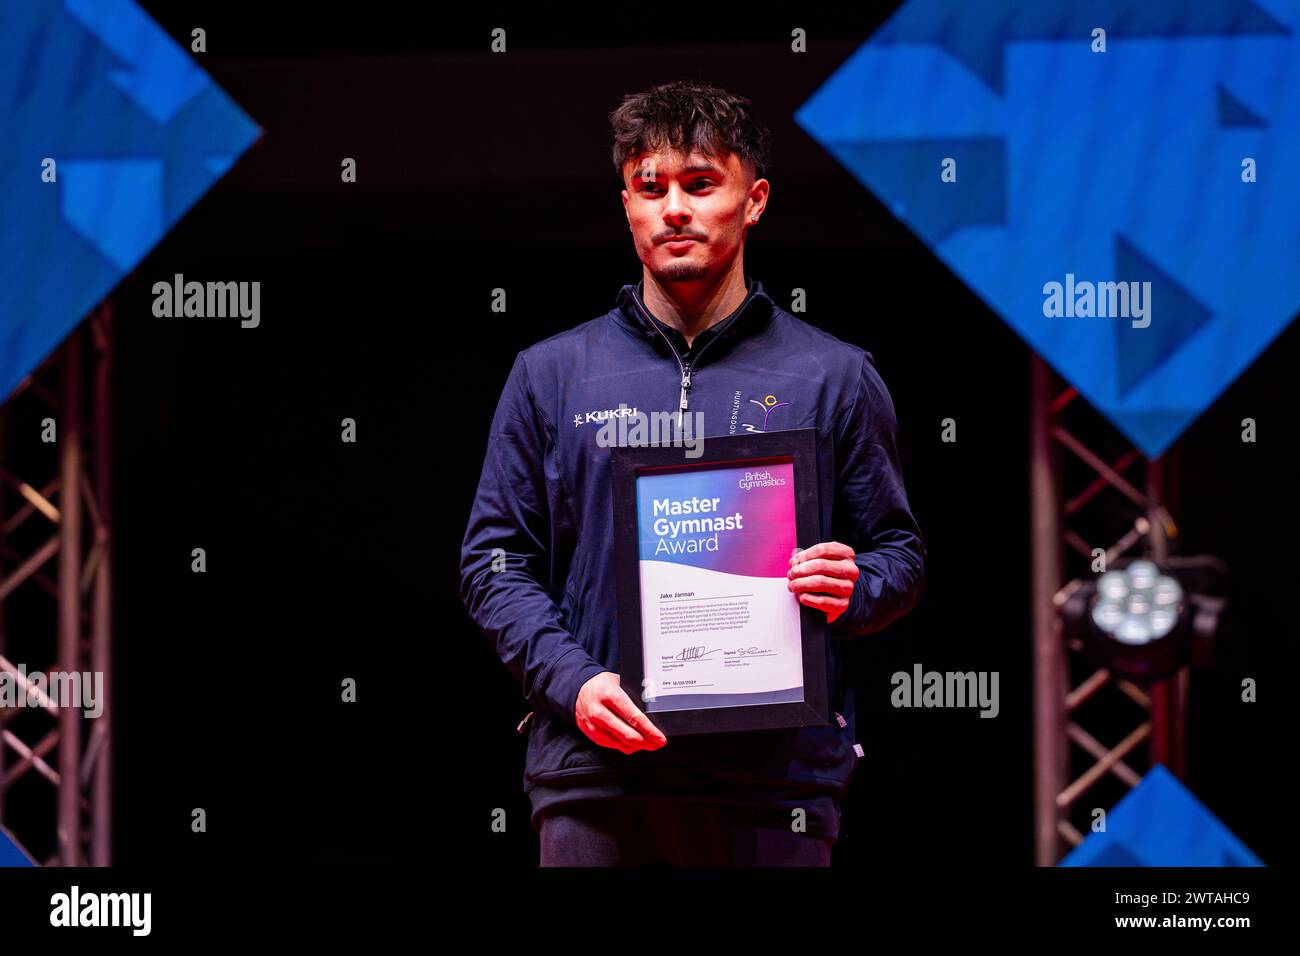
(1064,679)
(54,538)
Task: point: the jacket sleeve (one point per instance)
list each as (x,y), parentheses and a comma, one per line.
(505,558)
(871,512)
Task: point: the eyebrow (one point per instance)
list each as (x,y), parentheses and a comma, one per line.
(695,168)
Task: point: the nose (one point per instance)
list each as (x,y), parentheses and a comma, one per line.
(676,212)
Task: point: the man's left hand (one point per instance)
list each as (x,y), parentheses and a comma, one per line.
(823,577)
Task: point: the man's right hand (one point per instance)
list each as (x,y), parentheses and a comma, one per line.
(607,715)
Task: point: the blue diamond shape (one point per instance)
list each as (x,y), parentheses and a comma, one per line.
(1161,823)
(1123,165)
(137,132)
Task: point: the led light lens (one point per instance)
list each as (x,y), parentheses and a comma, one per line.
(1137,605)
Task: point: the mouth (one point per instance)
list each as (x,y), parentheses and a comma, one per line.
(679,245)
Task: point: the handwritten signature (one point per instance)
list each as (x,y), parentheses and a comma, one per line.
(693,653)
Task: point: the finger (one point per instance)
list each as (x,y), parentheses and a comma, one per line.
(826,549)
(654,737)
(612,723)
(622,705)
(823,603)
(842,568)
(837,587)
(606,739)
(594,728)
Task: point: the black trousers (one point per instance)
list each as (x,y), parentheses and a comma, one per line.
(644,831)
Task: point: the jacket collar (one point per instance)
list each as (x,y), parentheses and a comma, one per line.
(631,313)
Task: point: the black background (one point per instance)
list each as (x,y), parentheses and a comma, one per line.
(329,560)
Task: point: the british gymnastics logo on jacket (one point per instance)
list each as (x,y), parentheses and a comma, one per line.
(769,404)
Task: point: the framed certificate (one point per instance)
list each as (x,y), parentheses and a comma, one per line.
(711,638)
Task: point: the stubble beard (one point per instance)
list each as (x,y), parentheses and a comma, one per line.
(682,272)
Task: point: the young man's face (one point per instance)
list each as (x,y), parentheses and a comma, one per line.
(689,213)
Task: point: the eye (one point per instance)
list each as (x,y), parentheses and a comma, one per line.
(650,187)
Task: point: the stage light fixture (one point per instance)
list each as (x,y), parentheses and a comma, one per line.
(1143,620)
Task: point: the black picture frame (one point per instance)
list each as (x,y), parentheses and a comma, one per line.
(797,446)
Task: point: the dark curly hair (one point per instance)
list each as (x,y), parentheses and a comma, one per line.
(687,116)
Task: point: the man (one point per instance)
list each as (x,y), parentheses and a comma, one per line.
(537,570)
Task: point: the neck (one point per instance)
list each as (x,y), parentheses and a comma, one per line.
(691,307)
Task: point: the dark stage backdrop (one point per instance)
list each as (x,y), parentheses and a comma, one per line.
(329,560)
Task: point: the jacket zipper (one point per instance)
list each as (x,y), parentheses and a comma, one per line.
(682,406)
(684,366)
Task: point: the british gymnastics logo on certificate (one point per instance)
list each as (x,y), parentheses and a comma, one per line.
(720,627)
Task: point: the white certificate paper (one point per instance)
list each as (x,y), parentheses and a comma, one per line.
(720,626)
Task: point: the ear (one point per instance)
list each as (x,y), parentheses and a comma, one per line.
(758,194)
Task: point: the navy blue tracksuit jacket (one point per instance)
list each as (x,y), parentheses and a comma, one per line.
(544,501)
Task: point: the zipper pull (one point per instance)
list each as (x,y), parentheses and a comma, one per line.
(686,383)
(523,723)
